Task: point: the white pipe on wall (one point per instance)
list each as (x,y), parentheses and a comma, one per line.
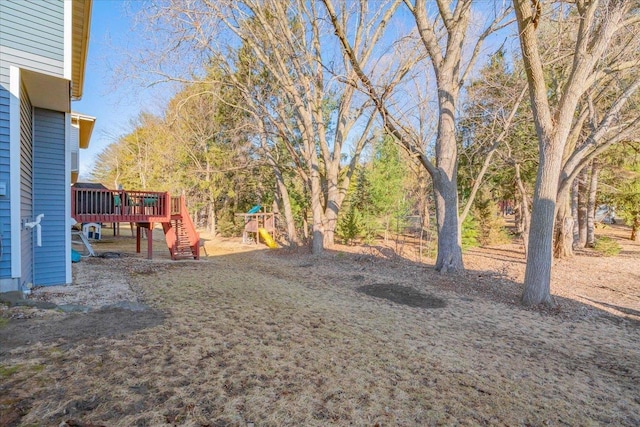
(38,228)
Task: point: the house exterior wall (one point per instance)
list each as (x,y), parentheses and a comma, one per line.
(32,37)
(5,207)
(35,28)
(50,182)
(26,186)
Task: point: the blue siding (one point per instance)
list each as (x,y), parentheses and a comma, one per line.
(34,27)
(26,186)
(31,37)
(49,196)
(5,205)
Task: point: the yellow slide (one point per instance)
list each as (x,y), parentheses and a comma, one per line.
(266,238)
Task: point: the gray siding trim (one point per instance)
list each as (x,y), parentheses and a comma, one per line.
(30,61)
(49,185)
(34,27)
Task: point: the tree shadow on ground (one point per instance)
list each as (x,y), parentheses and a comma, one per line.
(625,310)
(473,283)
(226,314)
(378,273)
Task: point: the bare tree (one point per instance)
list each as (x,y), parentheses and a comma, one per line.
(592,203)
(453,48)
(309,107)
(596,25)
(314,114)
(205,137)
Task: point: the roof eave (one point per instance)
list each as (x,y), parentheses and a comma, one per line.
(85,124)
(83,35)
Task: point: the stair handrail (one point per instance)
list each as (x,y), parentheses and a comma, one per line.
(194,237)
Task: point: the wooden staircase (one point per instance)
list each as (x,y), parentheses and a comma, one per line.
(180,234)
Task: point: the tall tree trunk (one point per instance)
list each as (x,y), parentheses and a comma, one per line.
(593,36)
(591,204)
(574,213)
(582,208)
(211,217)
(635,229)
(292,233)
(333,200)
(445,180)
(537,277)
(449,258)
(563,242)
(517,216)
(424,199)
(305,225)
(317,213)
(525,217)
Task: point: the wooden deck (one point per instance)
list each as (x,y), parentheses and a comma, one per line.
(144,208)
(97,205)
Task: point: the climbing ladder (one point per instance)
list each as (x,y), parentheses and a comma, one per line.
(180,234)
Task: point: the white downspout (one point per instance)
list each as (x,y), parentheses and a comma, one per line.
(36,224)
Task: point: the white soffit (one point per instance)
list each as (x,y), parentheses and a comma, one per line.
(85,123)
(81,22)
(51,93)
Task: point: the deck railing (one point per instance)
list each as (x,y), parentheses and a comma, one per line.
(99,205)
(176,205)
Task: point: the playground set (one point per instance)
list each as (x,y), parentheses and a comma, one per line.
(95,206)
(259,225)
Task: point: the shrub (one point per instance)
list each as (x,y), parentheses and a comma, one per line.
(350,226)
(470,233)
(607,246)
(490,224)
(227,226)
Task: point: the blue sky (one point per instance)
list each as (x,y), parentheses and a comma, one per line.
(113,105)
(116,101)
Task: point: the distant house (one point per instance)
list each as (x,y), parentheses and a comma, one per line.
(43,47)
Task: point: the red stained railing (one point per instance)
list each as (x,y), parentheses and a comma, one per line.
(194,237)
(183,227)
(176,205)
(98,205)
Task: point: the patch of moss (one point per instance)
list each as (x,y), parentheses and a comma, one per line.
(37,368)
(7,371)
(3,322)
(607,246)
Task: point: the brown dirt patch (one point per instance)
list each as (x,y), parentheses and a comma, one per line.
(403,295)
(76,328)
(286,338)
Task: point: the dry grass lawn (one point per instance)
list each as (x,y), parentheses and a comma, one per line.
(275,338)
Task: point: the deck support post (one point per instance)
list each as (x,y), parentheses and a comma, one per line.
(149,227)
(150,241)
(141,208)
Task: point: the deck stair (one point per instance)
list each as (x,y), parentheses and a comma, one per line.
(180,234)
(144,208)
